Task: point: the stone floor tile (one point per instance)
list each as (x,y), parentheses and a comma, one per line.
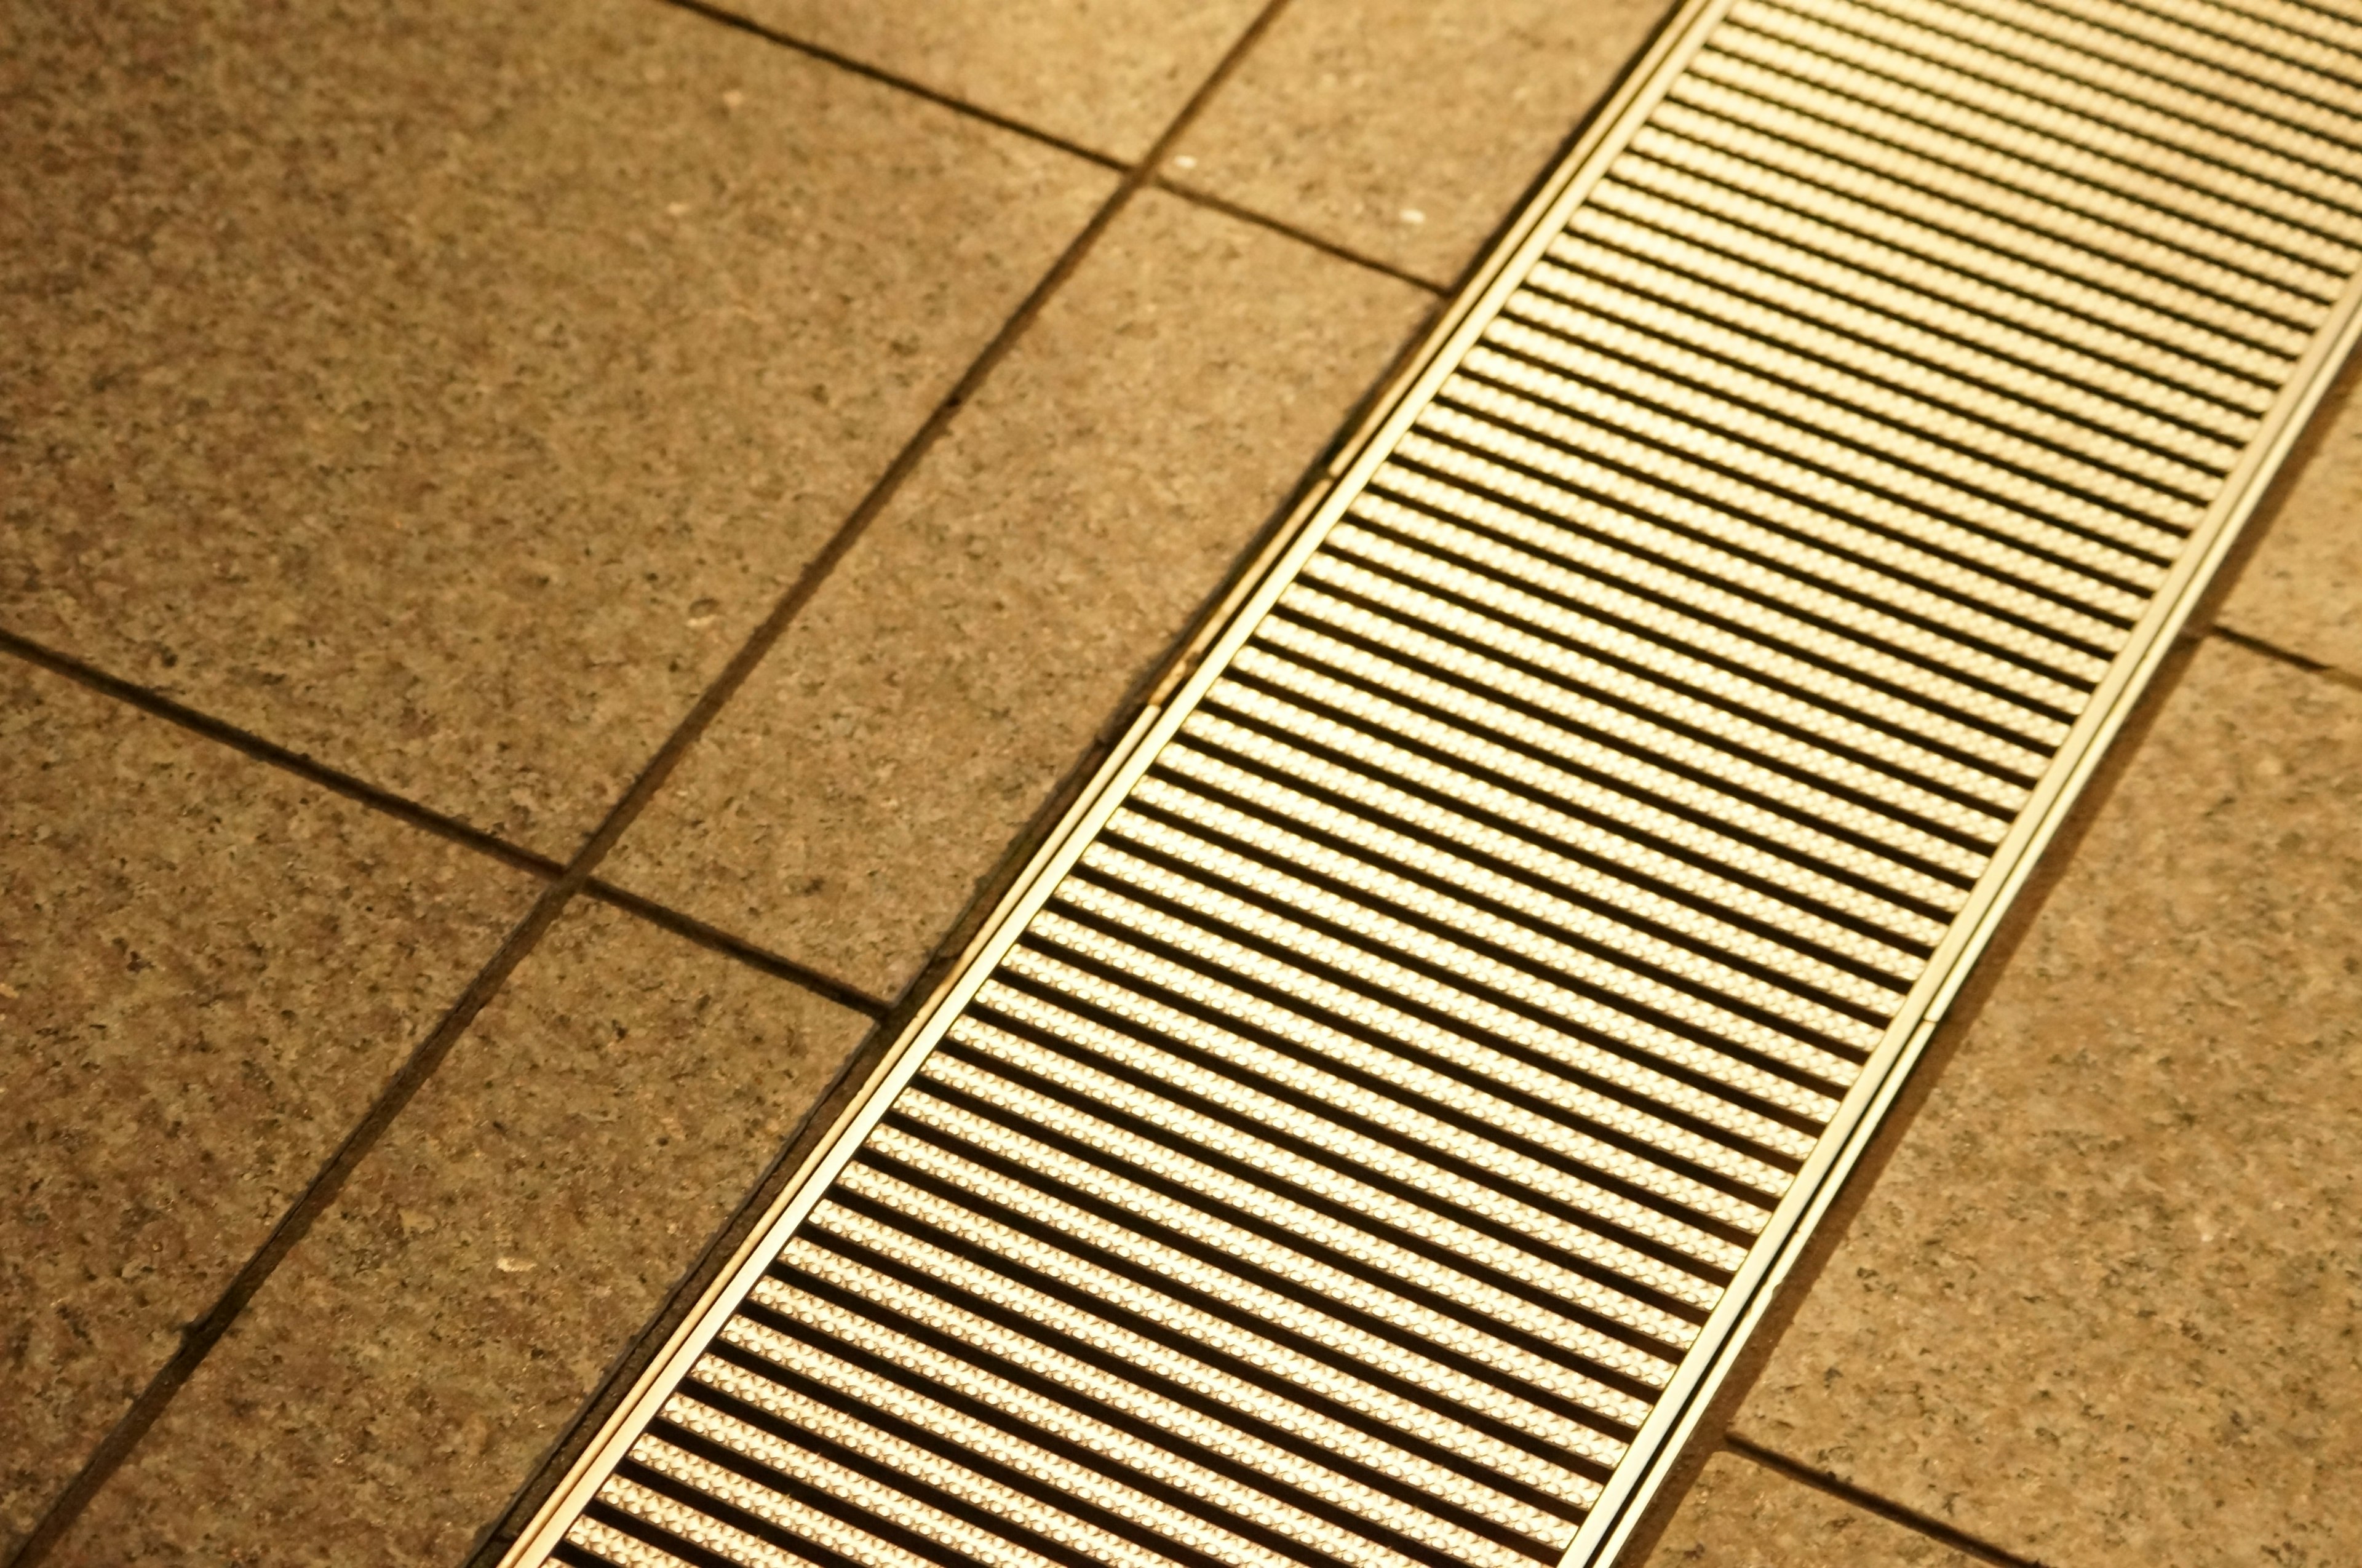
(207,969)
(1404,130)
(446,389)
(843,807)
(1740,1515)
(1106,74)
(398,1378)
(2301,589)
(2106,1305)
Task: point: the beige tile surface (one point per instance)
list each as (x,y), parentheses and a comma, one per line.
(1106,74)
(1405,130)
(445,391)
(207,969)
(398,1378)
(2106,1305)
(922,708)
(2301,589)
(1741,1515)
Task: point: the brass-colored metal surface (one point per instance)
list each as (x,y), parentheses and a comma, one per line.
(1369,1131)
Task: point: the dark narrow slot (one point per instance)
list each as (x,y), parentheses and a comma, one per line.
(1593,990)
(1082,1454)
(574,1556)
(1310,1150)
(2121,58)
(1775,257)
(1498,952)
(1310,1502)
(1479,1273)
(1543,925)
(1768,485)
(1974,642)
(1277,1432)
(755,1524)
(1517,620)
(1473,1077)
(685,1550)
(1507,1334)
(1437,1017)
(919,1436)
(2062,91)
(1753,672)
(1720,205)
(1044,1492)
(2256,46)
(1717,310)
(1698,816)
(1739,751)
(1973,179)
(1569,1166)
(915,1487)
(2089,107)
(1571,810)
(1864,447)
(1944,289)
(1475,817)
(1686,335)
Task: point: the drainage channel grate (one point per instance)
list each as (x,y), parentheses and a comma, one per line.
(1374,1122)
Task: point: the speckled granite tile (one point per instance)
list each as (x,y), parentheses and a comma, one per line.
(2106,1305)
(207,969)
(445,390)
(1404,130)
(1741,1515)
(923,705)
(396,1381)
(2301,589)
(1106,74)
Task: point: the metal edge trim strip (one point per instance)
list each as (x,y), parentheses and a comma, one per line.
(1625,1502)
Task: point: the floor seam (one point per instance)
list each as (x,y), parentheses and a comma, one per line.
(690,927)
(412,814)
(2286,656)
(723,17)
(774,626)
(1869,1502)
(199,1338)
(1229,208)
(284,758)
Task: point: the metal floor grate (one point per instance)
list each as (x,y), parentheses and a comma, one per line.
(1376,1120)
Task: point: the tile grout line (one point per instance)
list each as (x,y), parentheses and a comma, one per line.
(723,16)
(270,753)
(412,814)
(199,1337)
(2280,655)
(1230,209)
(1821,1481)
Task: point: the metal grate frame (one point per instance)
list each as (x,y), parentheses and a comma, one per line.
(1372,1126)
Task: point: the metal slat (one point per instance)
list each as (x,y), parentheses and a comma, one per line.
(1376,1119)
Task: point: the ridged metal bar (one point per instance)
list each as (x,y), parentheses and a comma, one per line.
(1369,1129)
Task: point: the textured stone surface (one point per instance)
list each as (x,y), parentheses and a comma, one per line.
(1741,1515)
(1106,74)
(2106,1305)
(445,391)
(920,709)
(2301,589)
(398,1378)
(1405,130)
(207,969)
